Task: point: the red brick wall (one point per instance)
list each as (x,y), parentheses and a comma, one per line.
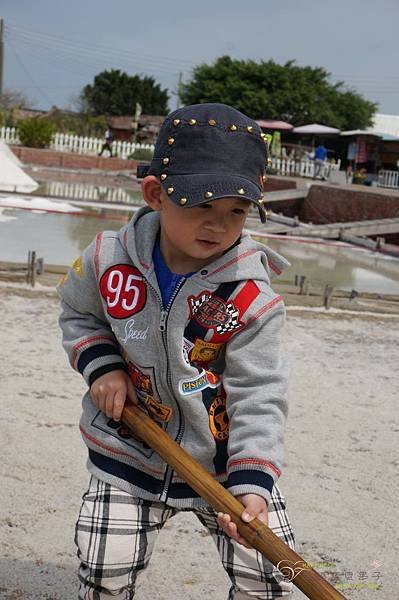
(325,204)
(67,160)
(273,184)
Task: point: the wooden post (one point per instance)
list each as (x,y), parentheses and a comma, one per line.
(327,296)
(39,266)
(33,268)
(302,280)
(29,266)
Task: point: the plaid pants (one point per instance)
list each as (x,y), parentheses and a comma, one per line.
(116,533)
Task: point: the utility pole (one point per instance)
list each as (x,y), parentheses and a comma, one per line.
(1,55)
(179,83)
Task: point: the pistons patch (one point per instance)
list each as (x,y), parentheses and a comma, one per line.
(124,291)
(218,419)
(214,313)
(145,394)
(203,380)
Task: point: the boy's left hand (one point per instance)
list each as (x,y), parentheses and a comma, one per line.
(255,506)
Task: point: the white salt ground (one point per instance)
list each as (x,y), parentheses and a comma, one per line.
(340,477)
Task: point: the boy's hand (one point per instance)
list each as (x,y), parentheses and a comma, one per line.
(255,506)
(109,393)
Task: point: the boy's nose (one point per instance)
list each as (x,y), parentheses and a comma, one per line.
(217,225)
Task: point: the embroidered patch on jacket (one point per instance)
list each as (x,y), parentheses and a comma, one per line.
(141,381)
(204,380)
(187,347)
(204,351)
(214,313)
(158,411)
(146,395)
(124,291)
(218,419)
(76,266)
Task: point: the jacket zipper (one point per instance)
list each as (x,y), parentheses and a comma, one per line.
(163,328)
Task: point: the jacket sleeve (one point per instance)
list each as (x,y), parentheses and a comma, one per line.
(256,382)
(87,335)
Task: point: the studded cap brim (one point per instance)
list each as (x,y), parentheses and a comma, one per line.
(193,190)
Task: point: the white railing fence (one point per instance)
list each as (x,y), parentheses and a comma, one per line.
(9,135)
(300,168)
(65,142)
(388,179)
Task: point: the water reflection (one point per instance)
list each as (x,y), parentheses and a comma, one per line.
(85,191)
(343,267)
(60,238)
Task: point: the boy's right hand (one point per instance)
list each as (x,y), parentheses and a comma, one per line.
(109,393)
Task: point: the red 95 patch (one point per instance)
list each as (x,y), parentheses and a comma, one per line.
(124,291)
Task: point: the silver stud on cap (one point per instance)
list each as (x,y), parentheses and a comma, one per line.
(170,190)
(183,201)
(241,191)
(208,194)
(176,122)
(212,122)
(192,121)
(233,127)
(165,161)
(250,129)
(171,141)
(163,176)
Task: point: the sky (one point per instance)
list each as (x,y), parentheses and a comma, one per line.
(53,48)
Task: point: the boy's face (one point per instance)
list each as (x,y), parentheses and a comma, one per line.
(193,237)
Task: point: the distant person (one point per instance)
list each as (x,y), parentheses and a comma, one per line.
(176,311)
(320,157)
(349,173)
(107,145)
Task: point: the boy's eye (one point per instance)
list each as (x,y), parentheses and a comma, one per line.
(206,205)
(239,211)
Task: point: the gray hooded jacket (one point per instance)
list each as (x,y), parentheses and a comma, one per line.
(208,368)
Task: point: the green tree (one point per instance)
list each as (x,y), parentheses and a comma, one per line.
(268,90)
(116,93)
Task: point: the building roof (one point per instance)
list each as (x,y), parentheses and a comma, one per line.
(386,124)
(315,129)
(274,124)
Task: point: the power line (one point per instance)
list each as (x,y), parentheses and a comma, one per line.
(77,48)
(27,72)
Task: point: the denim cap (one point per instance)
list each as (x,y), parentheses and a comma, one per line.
(209,151)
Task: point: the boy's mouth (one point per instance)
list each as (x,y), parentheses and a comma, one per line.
(208,243)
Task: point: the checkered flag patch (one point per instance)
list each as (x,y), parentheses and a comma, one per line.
(234,322)
(196,303)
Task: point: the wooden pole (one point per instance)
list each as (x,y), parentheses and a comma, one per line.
(33,268)
(29,267)
(327,296)
(257,534)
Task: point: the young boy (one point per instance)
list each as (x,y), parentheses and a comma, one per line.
(176,312)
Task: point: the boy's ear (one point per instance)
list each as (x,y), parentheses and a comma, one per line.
(152,192)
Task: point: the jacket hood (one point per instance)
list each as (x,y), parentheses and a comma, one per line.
(246,260)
